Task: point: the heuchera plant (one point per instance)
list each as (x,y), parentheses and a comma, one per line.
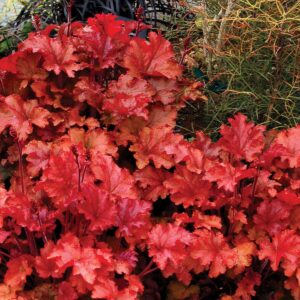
(99,196)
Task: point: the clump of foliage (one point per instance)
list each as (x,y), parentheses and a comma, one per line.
(248,54)
(102,200)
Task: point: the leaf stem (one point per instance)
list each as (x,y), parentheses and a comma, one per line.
(147,269)
(5,254)
(21,171)
(29,235)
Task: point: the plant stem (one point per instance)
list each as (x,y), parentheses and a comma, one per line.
(147,268)
(30,237)
(21,171)
(4,254)
(148,272)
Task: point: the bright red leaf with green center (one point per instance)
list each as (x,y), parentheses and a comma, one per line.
(242,139)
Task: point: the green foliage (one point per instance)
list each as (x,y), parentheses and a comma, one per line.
(11,37)
(253,48)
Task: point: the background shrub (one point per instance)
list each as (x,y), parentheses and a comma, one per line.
(248,54)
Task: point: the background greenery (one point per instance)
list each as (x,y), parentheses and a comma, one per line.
(248,53)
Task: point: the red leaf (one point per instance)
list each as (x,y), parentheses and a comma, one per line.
(37,156)
(158,117)
(198,219)
(272,216)
(290,140)
(126,262)
(116,181)
(20,208)
(151,183)
(66,292)
(168,244)
(206,221)
(289,197)
(105,289)
(106,38)
(3,196)
(45,266)
(204,143)
(90,91)
(21,115)
(244,140)
(128,96)
(29,68)
(59,54)
(60,179)
(265,186)
(195,161)
(245,289)
(153,144)
(97,207)
(108,24)
(285,245)
(66,251)
(133,218)
(212,250)
(4,235)
(9,63)
(166,90)
(18,269)
(95,141)
(188,188)
(154,58)
(226,176)
(90,262)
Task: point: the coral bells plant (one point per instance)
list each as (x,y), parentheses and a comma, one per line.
(100,199)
